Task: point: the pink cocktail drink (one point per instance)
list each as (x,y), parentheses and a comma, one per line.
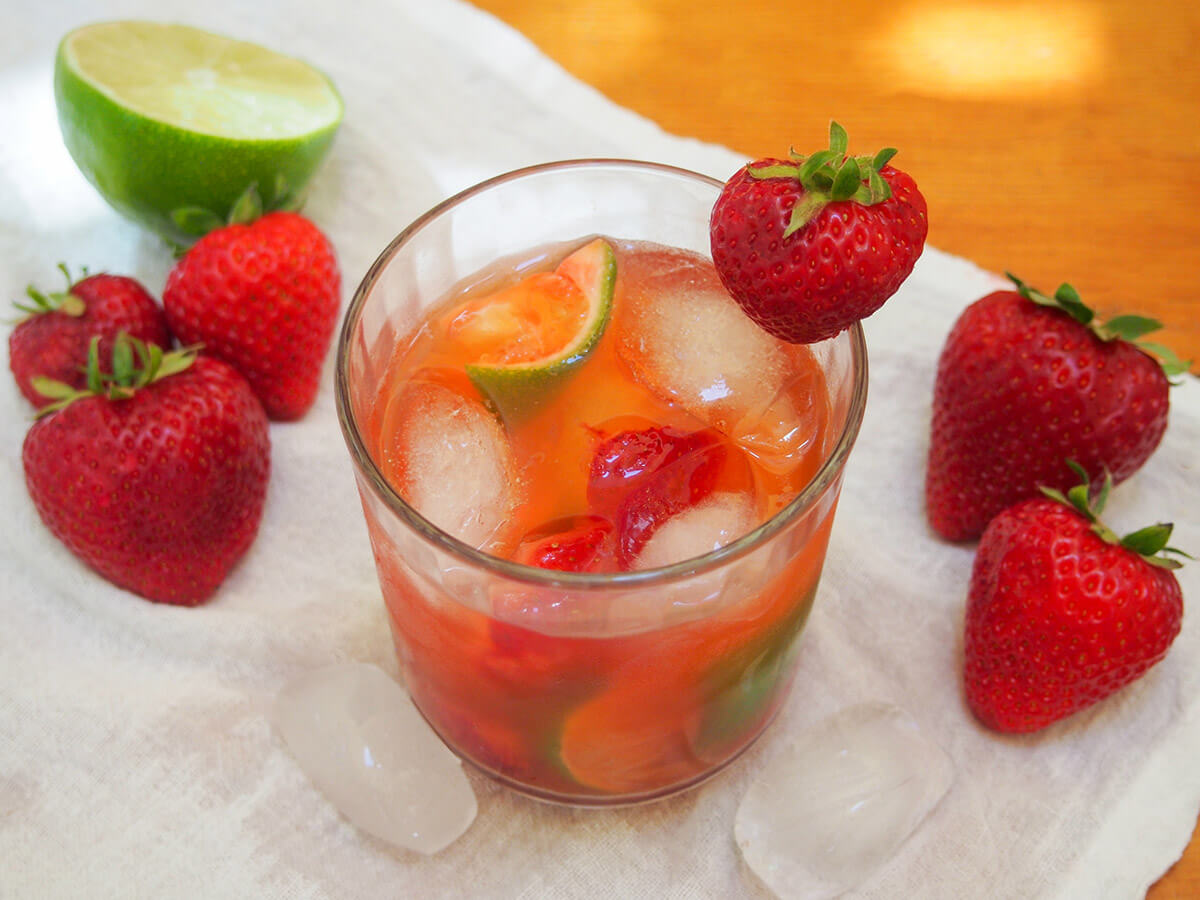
(599,496)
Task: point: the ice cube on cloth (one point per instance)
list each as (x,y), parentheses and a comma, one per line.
(838,801)
(357,735)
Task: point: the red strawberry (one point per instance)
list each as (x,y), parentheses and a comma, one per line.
(579,544)
(643,477)
(810,245)
(264,297)
(156,476)
(1060,613)
(1025,382)
(624,461)
(526,662)
(53,338)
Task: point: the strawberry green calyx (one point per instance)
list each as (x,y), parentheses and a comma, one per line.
(828,176)
(198,221)
(56,301)
(1150,543)
(129,374)
(1124,328)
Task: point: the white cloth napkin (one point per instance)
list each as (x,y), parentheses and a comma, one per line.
(136,755)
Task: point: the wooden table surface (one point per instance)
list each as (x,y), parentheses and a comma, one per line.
(1057,140)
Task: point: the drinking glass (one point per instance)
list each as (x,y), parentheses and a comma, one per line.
(590,689)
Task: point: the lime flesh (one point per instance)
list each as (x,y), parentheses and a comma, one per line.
(516,389)
(163,118)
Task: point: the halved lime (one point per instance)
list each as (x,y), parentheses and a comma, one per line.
(527,338)
(163,118)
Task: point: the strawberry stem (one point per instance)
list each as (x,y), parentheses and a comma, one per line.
(830,176)
(1148,543)
(804,211)
(56,301)
(128,375)
(197,221)
(247,207)
(1123,328)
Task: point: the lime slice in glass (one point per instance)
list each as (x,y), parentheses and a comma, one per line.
(166,118)
(528,337)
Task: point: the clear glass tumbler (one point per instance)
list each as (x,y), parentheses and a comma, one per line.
(582,688)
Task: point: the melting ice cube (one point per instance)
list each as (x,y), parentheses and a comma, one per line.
(687,340)
(357,735)
(839,801)
(450,459)
(702,528)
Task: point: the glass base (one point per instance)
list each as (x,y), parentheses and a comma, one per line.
(600,801)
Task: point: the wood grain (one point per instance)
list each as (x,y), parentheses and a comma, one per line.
(1060,141)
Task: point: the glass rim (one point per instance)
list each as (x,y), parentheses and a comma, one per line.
(806,499)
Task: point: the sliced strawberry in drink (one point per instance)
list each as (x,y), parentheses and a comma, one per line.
(527,661)
(680,475)
(574,544)
(624,461)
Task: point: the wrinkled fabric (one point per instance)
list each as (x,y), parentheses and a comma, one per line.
(137,757)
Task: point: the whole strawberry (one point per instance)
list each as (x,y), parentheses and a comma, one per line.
(1061,613)
(52,340)
(263,297)
(810,245)
(154,476)
(1026,381)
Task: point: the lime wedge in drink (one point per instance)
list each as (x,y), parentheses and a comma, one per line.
(528,337)
(628,738)
(168,120)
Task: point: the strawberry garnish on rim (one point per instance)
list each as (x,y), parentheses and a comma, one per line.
(828,176)
(811,244)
